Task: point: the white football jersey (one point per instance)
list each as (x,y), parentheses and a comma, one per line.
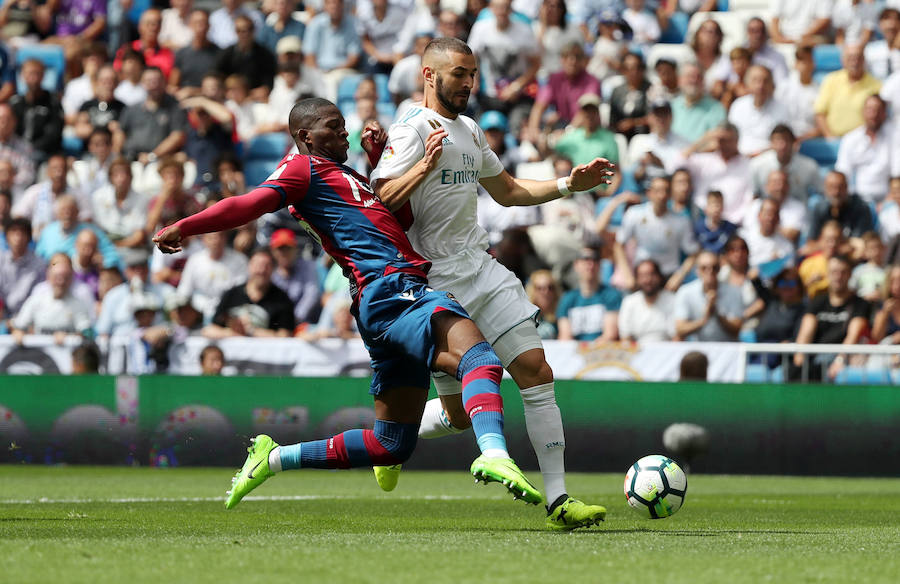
(444,206)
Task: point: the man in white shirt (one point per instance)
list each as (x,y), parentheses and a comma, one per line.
(221,22)
(800,21)
(802,171)
(648,314)
(764,241)
(659,234)
(53,309)
(757,113)
(792,215)
(798,92)
(866,154)
(428,175)
(209,273)
(725,170)
(660,151)
(881,55)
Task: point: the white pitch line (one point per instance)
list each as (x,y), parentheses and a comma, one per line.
(47,501)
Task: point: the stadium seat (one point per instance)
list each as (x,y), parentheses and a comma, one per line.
(347,86)
(637,147)
(271,146)
(256,171)
(609,86)
(823,151)
(733,25)
(52,57)
(863,376)
(542,170)
(747,5)
(747,336)
(756,373)
(722,5)
(827,58)
(676,32)
(72,145)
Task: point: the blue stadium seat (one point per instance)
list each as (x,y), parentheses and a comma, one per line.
(756,373)
(862,376)
(272,146)
(676,32)
(72,145)
(52,57)
(823,151)
(256,171)
(347,86)
(747,336)
(827,58)
(722,5)
(381,86)
(777,375)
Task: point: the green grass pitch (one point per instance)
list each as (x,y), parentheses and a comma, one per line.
(88,524)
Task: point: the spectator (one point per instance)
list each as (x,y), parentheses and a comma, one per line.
(331,44)
(852,213)
(339,325)
(889,216)
(694,367)
(799,93)
(296,275)
(705,309)
(780,321)
(764,241)
(659,235)
(838,317)
(209,135)
(5,204)
(222,22)
(588,140)
(153,129)
(211,272)
(736,273)
(643,23)
(81,89)
(121,212)
(561,92)
(248,58)
(544,292)
(38,200)
(107,279)
(707,48)
(280,24)
(682,199)
(867,278)
(101,111)
(86,260)
(173,202)
(59,236)
(800,21)
(116,314)
(865,153)
(406,76)
(756,114)
(725,169)
(801,170)
(212,360)
(247,112)
(763,52)
(20,268)
(854,22)
(257,308)
(814,269)
(628,102)
(886,324)
(147,44)
(590,312)
(71,23)
(509,58)
(882,55)
(175,30)
(86,359)
(422,20)
(54,309)
(665,86)
(735,84)
(646,315)
(15,150)
(694,113)
(91,173)
(609,46)
(711,230)
(130,90)
(555,33)
(39,113)
(194,61)
(840,102)
(378,24)
(791,212)
(659,154)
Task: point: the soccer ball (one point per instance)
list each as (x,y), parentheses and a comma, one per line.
(655,486)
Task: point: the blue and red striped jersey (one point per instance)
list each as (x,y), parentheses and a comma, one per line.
(338,208)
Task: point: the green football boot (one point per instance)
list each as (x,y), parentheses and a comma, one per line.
(254,472)
(387,476)
(572,514)
(505,471)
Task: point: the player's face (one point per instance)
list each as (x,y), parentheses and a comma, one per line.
(328,137)
(454,81)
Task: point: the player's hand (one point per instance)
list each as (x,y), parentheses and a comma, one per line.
(584,177)
(373,136)
(434,146)
(168,240)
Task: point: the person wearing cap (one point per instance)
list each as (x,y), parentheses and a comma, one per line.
(590,312)
(430,172)
(659,152)
(496,129)
(562,90)
(295,275)
(195,60)
(586,139)
(248,58)
(281,24)
(210,272)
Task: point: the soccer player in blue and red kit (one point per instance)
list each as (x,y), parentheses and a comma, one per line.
(409,329)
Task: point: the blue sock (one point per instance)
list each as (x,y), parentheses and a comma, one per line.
(480,371)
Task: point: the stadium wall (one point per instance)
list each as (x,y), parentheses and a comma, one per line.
(161,420)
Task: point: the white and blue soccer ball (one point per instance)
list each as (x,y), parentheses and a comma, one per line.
(655,486)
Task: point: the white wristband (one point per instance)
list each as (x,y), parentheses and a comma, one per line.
(562,186)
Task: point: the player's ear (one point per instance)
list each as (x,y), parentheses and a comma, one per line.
(428,74)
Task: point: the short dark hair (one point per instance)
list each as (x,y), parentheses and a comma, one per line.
(20,223)
(305,112)
(783,130)
(694,366)
(446,45)
(130,54)
(653,263)
(844,259)
(100,131)
(212,348)
(715,195)
(889,13)
(88,355)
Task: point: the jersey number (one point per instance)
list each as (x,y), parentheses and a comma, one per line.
(355,185)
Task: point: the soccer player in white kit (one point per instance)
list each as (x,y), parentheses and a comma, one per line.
(428,176)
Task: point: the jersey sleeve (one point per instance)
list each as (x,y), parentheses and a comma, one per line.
(404,148)
(291,179)
(490,163)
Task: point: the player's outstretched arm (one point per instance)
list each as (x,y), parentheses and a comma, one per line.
(226,214)
(515,192)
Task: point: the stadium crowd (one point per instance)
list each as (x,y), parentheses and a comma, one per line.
(758,196)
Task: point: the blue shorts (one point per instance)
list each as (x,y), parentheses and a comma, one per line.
(395,323)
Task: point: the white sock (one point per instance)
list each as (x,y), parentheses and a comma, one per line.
(434,421)
(275,459)
(544,424)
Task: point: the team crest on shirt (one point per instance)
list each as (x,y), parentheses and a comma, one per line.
(388,152)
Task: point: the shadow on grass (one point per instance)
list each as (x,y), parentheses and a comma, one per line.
(699,532)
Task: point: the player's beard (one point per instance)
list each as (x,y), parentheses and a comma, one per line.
(446,97)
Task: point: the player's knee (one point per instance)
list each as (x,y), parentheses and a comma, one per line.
(399,440)
(531,368)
